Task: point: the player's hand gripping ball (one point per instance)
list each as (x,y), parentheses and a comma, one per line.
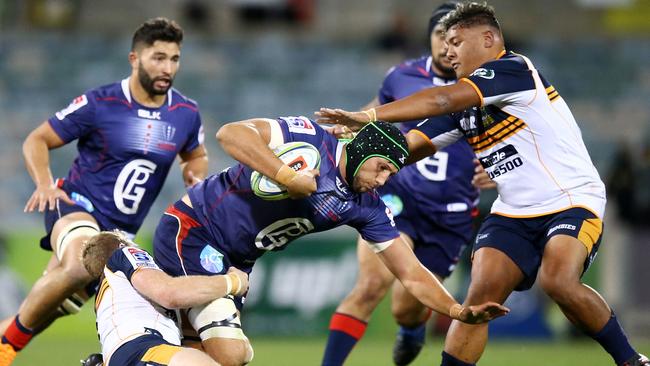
(299,156)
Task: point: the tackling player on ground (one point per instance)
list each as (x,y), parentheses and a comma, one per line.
(546,222)
(136,320)
(432,203)
(129,133)
(222,223)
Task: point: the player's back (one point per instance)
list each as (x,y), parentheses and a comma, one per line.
(249,226)
(442,182)
(122,313)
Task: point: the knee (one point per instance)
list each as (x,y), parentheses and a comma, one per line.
(75,274)
(409,317)
(557,287)
(369,291)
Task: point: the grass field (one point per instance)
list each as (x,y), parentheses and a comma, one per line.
(74,337)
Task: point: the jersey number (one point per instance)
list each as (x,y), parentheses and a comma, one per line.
(128,190)
(434,167)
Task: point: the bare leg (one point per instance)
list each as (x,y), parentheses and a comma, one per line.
(494,276)
(190,356)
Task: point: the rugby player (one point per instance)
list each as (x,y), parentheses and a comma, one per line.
(129,134)
(546,222)
(221,222)
(432,202)
(136,321)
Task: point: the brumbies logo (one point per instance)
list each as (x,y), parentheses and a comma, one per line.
(483,73)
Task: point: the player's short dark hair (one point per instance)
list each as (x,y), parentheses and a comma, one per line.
(157,29)
(469,14)
(99,248)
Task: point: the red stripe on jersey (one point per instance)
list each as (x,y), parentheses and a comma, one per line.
(348,325)
(186,105)
(186,223)
(114,99)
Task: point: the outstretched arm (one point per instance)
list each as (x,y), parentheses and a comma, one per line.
(36,151)
(248,142)
(187,291)
(422,284)
(429,102)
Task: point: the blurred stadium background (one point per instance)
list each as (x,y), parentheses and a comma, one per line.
(268,58)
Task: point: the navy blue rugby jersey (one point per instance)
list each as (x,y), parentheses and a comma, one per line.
(125,149)
(442,182)
(247,226)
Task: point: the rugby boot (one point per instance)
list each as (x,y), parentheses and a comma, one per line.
(637,360)
(7,354)
(408,344)
(94,359)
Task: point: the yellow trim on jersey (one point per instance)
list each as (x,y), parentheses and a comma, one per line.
(476,89)
(424,136)
(100,294)
(501,54)
(590,232)
(161,354)
(552,93)
(496,134)
(544,213)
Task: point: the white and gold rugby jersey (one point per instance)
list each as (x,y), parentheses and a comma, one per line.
(122,313)
(527,140)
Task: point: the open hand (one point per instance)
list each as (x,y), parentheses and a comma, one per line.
(45,197)
(353,120)
(477,314)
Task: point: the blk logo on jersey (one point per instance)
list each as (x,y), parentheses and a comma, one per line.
(282,231)
(129,186)
(143,113)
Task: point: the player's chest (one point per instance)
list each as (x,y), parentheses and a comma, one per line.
(477,121)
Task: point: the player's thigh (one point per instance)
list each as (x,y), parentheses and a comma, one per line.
(190,356)
(69,233)
(494,276)
(219,327)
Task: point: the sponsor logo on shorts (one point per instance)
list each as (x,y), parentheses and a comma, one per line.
(482,236)
(211,259)
(561,227)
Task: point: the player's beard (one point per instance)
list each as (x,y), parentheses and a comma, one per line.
(447,71)
(148,83)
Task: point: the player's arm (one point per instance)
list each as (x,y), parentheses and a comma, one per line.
(36,149)
(429,102)
(187,291)
(420,146)
(248,142)
(422,284)
(194,165)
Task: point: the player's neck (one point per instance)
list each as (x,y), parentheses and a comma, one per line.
(142,96)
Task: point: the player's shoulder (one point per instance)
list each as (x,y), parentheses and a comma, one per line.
(180,100)
(128,259)
(420,66)
(508,62)
(302,126)
(112,90)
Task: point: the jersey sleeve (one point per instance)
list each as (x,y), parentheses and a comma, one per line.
(386,94)
(442,131)
(301,129)
(374,221)
(130,259)
(503,81)
(76,119)
(197,136)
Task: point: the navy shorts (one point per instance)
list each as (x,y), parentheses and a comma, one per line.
(524,239)
(82,204)
(146,350)
(182,246)
(439,238)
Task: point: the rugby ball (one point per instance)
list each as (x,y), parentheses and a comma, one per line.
(299,156)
